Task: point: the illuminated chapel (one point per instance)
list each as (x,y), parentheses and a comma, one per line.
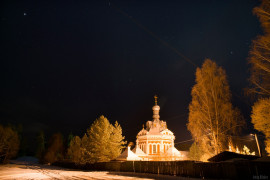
(154,143)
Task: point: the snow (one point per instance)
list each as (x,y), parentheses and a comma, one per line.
(26,160)
(24,170)
(128,155)
(173,152)
(138,151)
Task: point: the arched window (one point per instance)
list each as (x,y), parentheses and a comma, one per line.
(154,149)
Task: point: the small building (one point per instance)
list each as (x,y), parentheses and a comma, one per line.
(156,141)
(227,155)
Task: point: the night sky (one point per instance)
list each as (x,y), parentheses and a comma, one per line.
(64,63)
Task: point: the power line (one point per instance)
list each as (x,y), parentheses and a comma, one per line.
(184,141)
(238,138)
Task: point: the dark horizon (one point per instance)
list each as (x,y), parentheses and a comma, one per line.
(65,63)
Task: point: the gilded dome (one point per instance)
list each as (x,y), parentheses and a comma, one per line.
(156,108)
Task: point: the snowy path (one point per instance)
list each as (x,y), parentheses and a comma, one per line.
(23,171)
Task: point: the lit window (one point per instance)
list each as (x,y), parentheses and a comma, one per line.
(154,149)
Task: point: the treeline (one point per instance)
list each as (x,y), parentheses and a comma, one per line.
(102,142)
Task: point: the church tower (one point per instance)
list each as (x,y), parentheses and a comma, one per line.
(156,109)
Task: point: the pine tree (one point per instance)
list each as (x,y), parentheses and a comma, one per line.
(211,115)
(74,151)
(70,137)
(86,154)
(102,142)
(116,141)
(99,138)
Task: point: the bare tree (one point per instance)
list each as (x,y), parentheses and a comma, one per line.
(259,59)
(259,55)
(212,118)
(261,119)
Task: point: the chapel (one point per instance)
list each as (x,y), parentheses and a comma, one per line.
(156,141)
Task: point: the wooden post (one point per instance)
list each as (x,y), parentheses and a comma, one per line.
(258,145)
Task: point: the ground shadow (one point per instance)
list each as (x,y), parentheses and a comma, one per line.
(150,176)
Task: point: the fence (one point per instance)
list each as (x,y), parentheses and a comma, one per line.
(225,170)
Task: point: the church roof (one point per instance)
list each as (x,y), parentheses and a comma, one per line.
(128,155)
(167,132)
(143,132)
(138,151)
(173,152)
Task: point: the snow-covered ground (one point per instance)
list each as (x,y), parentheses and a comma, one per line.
(23,170)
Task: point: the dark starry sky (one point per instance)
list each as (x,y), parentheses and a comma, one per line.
(64,63)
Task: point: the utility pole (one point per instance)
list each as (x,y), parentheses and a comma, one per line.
(258,145)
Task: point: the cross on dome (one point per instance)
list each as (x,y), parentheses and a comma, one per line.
(155,99)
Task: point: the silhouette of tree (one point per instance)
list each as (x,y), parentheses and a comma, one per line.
(40,145)
(9,143)
(55,149)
